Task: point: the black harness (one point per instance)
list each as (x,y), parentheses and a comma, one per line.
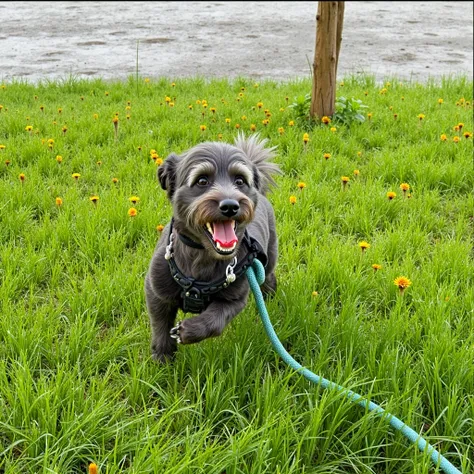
(196,295)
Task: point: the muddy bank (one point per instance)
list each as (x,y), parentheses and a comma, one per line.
(51,40)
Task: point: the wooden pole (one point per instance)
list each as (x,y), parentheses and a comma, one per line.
(329,22)
(340,24)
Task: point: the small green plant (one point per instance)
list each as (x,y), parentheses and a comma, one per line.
(349,110)
(301,107)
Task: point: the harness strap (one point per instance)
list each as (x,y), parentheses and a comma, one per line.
(190,242)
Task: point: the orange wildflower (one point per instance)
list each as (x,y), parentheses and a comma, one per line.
(402,282)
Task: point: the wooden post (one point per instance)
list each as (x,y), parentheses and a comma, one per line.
(340,24)
(329,22)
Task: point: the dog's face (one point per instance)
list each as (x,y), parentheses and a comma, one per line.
(214,190)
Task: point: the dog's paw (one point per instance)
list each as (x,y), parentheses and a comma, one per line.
(163,352)
(163,357)
(175,333)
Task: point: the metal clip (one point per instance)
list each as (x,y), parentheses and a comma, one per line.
(169,248)
(229,271)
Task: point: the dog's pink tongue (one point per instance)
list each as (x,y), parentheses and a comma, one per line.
(224,233)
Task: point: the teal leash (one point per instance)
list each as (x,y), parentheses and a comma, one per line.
(256,276)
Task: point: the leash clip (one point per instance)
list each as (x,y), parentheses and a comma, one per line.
(229,271)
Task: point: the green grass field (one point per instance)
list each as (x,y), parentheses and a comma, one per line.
(77,384)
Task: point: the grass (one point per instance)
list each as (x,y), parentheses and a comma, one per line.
(77,384)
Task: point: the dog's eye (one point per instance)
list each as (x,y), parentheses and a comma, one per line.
(202,181)
(239,181)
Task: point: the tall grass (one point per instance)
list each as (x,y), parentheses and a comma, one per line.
(77,384)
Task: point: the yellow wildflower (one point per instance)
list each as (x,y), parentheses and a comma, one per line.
(402,282)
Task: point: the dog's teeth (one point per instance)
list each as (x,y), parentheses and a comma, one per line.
(209,227)
(225,249)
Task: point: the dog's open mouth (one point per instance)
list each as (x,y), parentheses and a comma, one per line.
(222,236)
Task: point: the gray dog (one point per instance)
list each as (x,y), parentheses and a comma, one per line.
(221,222)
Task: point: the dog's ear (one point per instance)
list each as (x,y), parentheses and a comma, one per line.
(167,174)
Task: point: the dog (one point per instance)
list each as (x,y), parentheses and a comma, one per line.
(221,221)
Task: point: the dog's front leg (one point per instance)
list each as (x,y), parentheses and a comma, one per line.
(210,323)
(162,319)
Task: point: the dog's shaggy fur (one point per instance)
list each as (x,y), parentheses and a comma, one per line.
(213,188)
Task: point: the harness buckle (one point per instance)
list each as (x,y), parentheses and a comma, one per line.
(194,301)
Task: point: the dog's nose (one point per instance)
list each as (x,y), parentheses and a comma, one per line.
(229,207)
